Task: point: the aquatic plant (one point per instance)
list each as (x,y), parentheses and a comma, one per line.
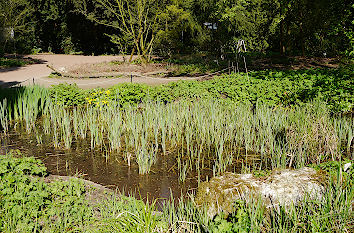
(203,132)
(4,122)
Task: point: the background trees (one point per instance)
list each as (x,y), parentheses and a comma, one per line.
(165,27)
(14,21)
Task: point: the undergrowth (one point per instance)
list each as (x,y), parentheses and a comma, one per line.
(273,88)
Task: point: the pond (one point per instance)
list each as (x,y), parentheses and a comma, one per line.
(111,170)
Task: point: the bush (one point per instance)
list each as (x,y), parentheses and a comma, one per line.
(68,95)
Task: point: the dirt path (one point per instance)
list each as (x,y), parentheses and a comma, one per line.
(38,73)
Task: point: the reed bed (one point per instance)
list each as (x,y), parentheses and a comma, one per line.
(201,134)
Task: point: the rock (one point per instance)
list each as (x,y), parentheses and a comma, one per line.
(347,166)
(281,187)
(62,69)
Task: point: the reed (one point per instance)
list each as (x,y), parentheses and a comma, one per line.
(4,122)
(210,133)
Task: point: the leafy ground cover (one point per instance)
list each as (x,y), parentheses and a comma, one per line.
(273,88)
(28,204)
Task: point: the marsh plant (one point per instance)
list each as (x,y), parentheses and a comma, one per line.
(4,124)
(199,134)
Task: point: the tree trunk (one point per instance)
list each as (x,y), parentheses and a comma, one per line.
(302,34)
(282,43)
(131,55)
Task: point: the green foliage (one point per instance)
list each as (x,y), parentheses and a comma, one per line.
(332,86)
(15,17)
(349,32)
(28,204)
(335,170)
(238,222)
(306,27)
(68,95)
(273,88)
(11,165)
(179,28)
(251,21)
(129,93)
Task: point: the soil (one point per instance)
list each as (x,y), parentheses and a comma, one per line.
(109,68)
(38,73)
(294,63)
(117,71)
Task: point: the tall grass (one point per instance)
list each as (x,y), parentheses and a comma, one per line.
(4,124)
(25,104)
(198,134)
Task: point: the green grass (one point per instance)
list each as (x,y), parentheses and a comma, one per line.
(279,137)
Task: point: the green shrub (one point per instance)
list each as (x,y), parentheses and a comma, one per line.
(28,204)
(68,95)
(129,93)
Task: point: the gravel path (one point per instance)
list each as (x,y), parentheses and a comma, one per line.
(38,73)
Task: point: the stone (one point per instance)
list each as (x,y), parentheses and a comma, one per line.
(347,166)
(282,187)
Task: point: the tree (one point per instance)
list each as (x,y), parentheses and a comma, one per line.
(250,20)
(135,22)
(178,29)
(14,17)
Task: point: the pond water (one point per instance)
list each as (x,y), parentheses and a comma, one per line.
(112,171)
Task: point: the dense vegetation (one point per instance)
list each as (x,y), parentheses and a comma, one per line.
(296,27)
(286,88)
(281,117)
(255,121)
(15,62)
